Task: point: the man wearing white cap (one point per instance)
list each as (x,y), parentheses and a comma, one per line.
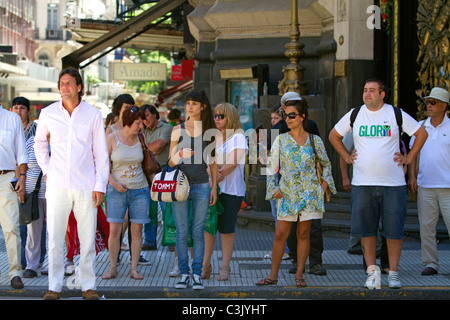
(433,179)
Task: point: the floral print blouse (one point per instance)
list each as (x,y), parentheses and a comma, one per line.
(298,183)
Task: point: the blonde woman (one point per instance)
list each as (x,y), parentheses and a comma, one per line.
(231,150)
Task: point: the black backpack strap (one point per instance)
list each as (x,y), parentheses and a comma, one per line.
(353,115)
(399,119)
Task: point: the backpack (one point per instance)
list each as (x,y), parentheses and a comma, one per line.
(398,118)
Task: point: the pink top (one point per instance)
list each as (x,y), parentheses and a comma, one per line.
(79,155)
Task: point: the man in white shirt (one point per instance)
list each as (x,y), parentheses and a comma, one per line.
(76,175)
(378,183)
(12,153)
(433,179)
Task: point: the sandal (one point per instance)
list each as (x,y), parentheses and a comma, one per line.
(134,274)
(266,281)
(300,282)
(224,273)
(109,275)
(206,272)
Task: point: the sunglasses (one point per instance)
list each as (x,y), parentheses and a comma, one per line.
(291,115)
(432,102)
(220,116)
(134,109)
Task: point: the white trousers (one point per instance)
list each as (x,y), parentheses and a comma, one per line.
(34,238)
(59,205)
(9,221)
(429,202)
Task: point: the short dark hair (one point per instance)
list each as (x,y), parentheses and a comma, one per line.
(381,86)
(152,109)
(74,73)
(174,114)
(276,109)
(119,101)
(132,114)
(21,101)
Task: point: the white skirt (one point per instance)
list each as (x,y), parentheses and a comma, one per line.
(300,216)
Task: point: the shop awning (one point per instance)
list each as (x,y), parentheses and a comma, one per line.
(174,92)
(124,33)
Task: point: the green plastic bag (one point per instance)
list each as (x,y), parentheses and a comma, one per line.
(169,235)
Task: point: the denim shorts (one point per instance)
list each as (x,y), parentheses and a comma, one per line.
(226,222)
(137,201)
(369,204)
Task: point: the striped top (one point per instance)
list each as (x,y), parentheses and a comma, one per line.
(33,170)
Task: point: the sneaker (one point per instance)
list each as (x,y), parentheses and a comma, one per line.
(183,283)
(373,279)
(197,283)
(394,281)
(69,269)
(318,270)
(143,262)
(175,270)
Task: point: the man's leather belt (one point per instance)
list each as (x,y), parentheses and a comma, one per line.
(5,171)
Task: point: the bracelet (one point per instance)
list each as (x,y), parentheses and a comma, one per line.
(23,174)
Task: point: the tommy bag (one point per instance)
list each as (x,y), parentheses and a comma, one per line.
(170,186)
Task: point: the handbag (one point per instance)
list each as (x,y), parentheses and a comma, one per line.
(150,165)
(319,170)
(170,186)
(29,210)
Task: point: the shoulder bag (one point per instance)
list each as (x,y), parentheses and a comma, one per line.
(319,170)
(29,210)
(149,165)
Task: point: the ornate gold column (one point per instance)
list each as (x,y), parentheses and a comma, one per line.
(293,72)
(395,27)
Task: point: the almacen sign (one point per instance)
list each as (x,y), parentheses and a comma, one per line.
(139,71)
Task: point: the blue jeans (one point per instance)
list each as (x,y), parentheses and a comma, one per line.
(199,195)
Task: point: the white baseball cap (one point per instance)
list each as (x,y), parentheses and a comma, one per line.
(291,95)
(439,94)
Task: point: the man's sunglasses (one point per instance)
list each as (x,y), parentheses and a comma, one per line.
(432,102)
(220,116)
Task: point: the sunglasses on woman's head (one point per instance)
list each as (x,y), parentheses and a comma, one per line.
(220,116)
(292,115)
(134,109)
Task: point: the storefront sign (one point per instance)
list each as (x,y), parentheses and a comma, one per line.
(139,71)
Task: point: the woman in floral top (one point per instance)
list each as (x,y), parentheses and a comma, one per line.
(299,194)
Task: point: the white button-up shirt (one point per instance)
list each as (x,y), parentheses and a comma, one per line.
(79,156)
(12,141)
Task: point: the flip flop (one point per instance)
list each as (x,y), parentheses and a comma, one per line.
(266,282)
(136,275)
(109,275)
(300,282)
